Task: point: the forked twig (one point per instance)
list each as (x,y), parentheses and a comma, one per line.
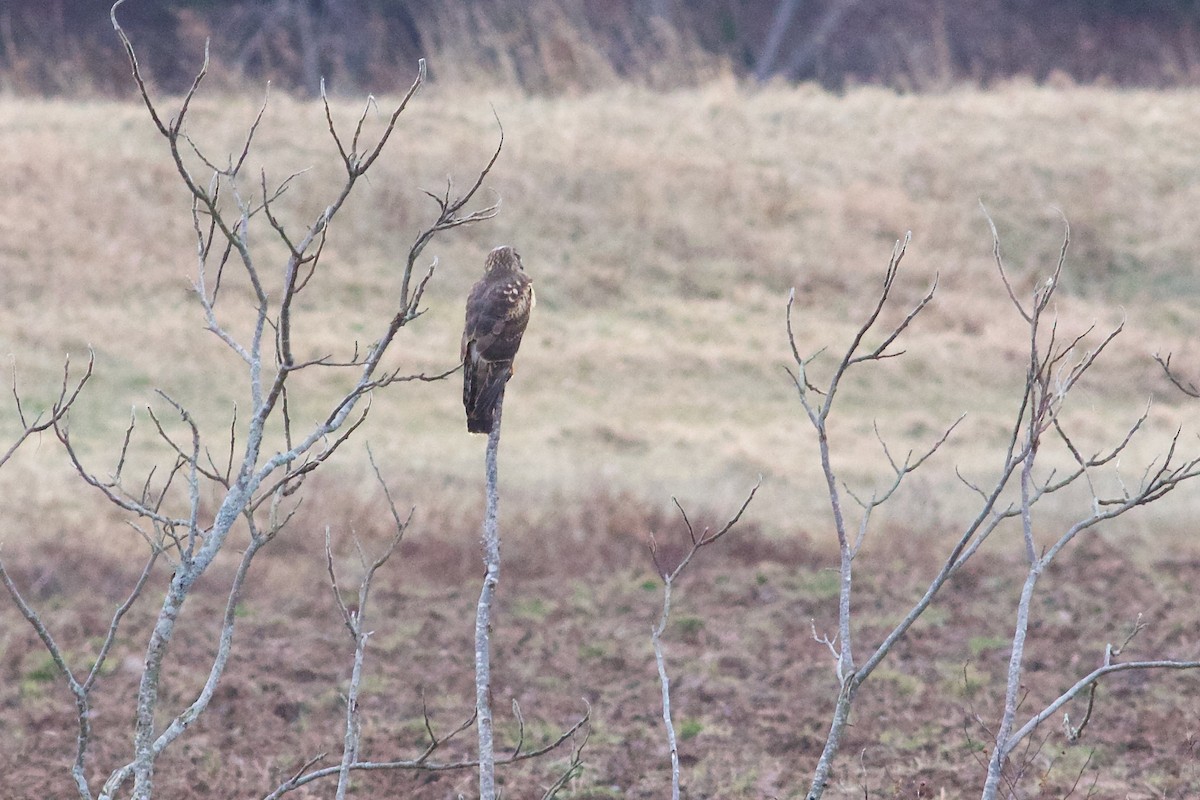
(669,577)
(354,620)
(67,396)
(1185,386)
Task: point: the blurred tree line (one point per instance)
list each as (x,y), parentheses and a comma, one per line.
(68,47)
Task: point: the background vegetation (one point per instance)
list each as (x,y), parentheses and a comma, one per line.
(550,46)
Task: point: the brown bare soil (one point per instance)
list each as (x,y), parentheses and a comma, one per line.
(751,688)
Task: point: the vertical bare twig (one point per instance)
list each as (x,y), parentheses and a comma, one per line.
(483,613)
(573,770)
(354,620)
(669,576)
(351,736)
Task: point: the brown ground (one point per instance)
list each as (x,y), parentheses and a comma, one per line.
(751,689)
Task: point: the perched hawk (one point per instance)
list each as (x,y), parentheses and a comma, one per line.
(497,313)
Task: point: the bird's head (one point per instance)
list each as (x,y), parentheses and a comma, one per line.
(504,259)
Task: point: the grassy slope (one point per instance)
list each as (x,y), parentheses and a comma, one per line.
(664,232)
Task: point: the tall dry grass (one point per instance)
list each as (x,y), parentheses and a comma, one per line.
(67,47)
(663,231)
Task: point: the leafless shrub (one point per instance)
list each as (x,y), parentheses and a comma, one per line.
(1054,367)
(256,467)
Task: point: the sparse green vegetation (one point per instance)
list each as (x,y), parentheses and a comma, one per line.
(534,609)
(42,670)
(981,644)
(688,625)
(902,683)
(820,585)
(964,680)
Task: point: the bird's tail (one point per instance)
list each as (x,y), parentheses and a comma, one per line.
(482,386)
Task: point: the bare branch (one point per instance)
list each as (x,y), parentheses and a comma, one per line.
(347,615)
(1187,387)
(110,636)
(346,157)
(448,218)
(431,766)
(1085,682)
(483,612)
(573,770)
(77,689)
(831,644)
(80,691)
(901,471)
(137,73)
(391,125)
(67,396)
(1075,732)
(1054,369)
(851,356)
(880,350)
(656,633)
(354,622)
(142,507)
(1000,266)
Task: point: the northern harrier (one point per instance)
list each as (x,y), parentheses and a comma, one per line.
(497,313)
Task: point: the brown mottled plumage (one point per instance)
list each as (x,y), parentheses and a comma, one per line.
(497,313)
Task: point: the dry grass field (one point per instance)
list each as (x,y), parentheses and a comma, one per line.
(663,231)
